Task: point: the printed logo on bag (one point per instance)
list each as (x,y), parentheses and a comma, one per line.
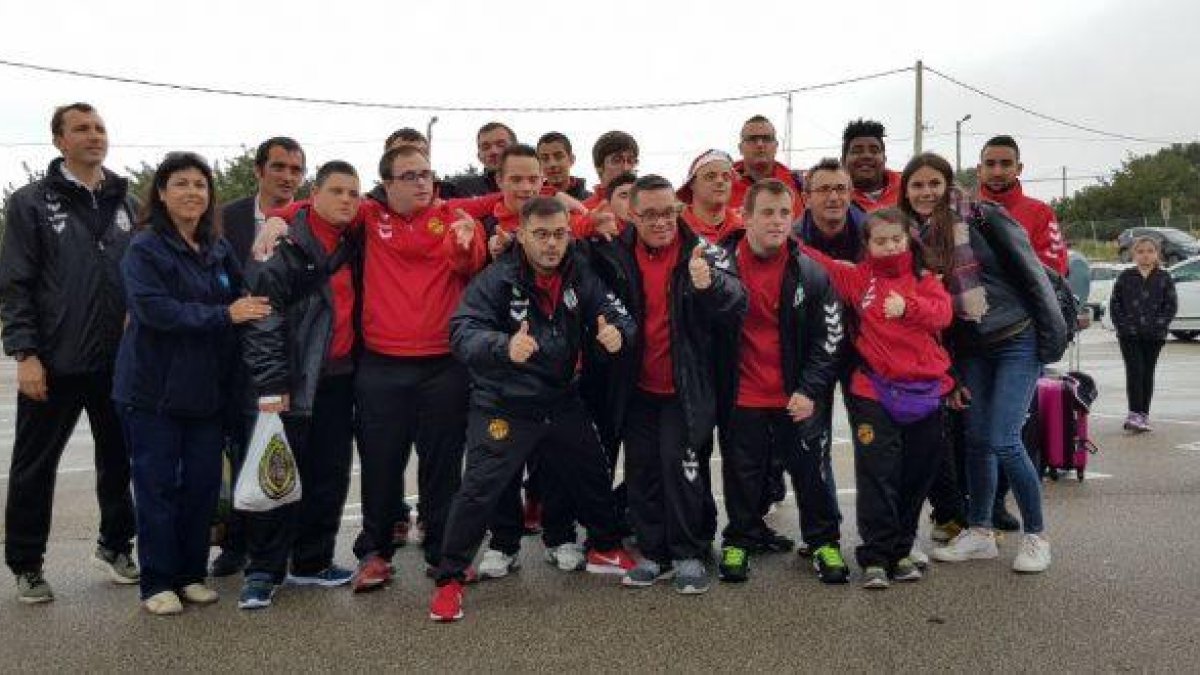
(277,469)
(866,434)
(498,429)
(436,227)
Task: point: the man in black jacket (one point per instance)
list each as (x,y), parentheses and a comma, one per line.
(301,364)
(780,362)
(62,307)
(519,330)
(279,166)
(681,290)
(490,142)
(557,159)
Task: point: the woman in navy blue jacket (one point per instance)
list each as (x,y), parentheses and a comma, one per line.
(182,285)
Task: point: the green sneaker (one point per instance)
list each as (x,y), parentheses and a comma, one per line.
(831,567)
(906,570)
(875,578)
(735,565)
(32,588)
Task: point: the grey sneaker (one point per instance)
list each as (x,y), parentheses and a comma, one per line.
(906,570)
(645,574)
(32,588)
(690,577)
(875,578)
(119,566)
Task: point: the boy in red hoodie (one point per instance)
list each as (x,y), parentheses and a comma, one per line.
(896,391)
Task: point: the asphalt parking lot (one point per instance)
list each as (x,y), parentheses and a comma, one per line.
(1123,593)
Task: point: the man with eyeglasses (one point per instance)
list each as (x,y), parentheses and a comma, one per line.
(613,154)
(681,291)
(863,154)
(520,329)
(706,196)
(759,145)
(490,143)
(832,222)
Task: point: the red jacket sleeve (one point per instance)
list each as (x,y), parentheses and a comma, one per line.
(1048,241)
(847,279)
(929,307)
(466,262)
(476,207)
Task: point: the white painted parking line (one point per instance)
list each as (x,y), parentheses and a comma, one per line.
(1157,420)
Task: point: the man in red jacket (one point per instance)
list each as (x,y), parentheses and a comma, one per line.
(1000,181)
(864,155)
(613,154)
(758,145)
(706,193)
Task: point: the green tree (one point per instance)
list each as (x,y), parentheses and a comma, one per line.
(968,179)
(1136,189)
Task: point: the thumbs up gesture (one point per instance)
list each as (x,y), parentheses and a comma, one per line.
(521,345)
(894,305)
(464,228)
(607,335)
(699,269)
(499,242)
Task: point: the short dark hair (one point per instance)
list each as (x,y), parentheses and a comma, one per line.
(518,150)
(1003,141)
(58,119)
(154,214)
(541,207)
(492,126)
(389,158)
(861,128)
(610,143)
(826,164)
(333,166)
(407,134)
(758,119)
(649,183)
(288,144)
(556,137)
(626,178)
(772,186)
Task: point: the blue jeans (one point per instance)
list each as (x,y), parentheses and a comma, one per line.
(1002,382)
(176,480)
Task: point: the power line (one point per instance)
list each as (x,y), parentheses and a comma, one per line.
(443,108)
(1044,116)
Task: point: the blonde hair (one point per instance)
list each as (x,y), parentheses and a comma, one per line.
(1152,242)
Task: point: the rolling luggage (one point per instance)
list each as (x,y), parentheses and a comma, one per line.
(1062,404)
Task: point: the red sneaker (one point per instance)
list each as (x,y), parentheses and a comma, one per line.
(532,516)
(372,573)
(616,561)
(446,605)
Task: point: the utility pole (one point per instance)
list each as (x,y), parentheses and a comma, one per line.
(787,138)
(429,132)
(958,144)
(1064,181)
(919,122)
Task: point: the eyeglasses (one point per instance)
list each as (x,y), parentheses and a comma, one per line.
(826,190)
(415,176)
(758,138)
(652,216)
(543,236)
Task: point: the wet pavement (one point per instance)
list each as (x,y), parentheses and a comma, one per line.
(1123,593)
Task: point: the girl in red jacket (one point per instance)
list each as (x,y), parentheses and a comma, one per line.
(896,391)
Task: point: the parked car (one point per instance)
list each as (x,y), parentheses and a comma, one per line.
(1176,245)
(1186,325)
(1102,274)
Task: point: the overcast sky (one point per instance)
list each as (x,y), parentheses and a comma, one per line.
(1126,67)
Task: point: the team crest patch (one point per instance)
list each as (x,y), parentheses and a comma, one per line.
(277,472)
(866,434)
(498,429)
(569,299)
(436,227)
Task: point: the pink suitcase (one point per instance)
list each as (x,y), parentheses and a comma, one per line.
(1062,411)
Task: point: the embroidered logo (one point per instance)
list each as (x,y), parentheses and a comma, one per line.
(498,429)
(518,307)
(834,332)
(691,466)
(436,227)
(569,298)
(865,434)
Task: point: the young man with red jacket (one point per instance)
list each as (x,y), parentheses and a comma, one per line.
(759,145)
(864,155)
(782,361)
(706,196)
(613,154)
(1000,181)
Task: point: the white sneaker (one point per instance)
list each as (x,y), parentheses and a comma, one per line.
(164,603)
(973,543)
(918,557)
(496,565)
(198,594)
(1034,555)
(567,557)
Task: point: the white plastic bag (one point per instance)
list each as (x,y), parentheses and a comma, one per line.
(269,477)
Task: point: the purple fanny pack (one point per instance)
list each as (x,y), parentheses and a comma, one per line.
(907,401)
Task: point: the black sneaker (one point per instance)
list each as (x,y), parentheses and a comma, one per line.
(1004,521)
(734,567)
(831,567)
(773,542)
(228,563)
